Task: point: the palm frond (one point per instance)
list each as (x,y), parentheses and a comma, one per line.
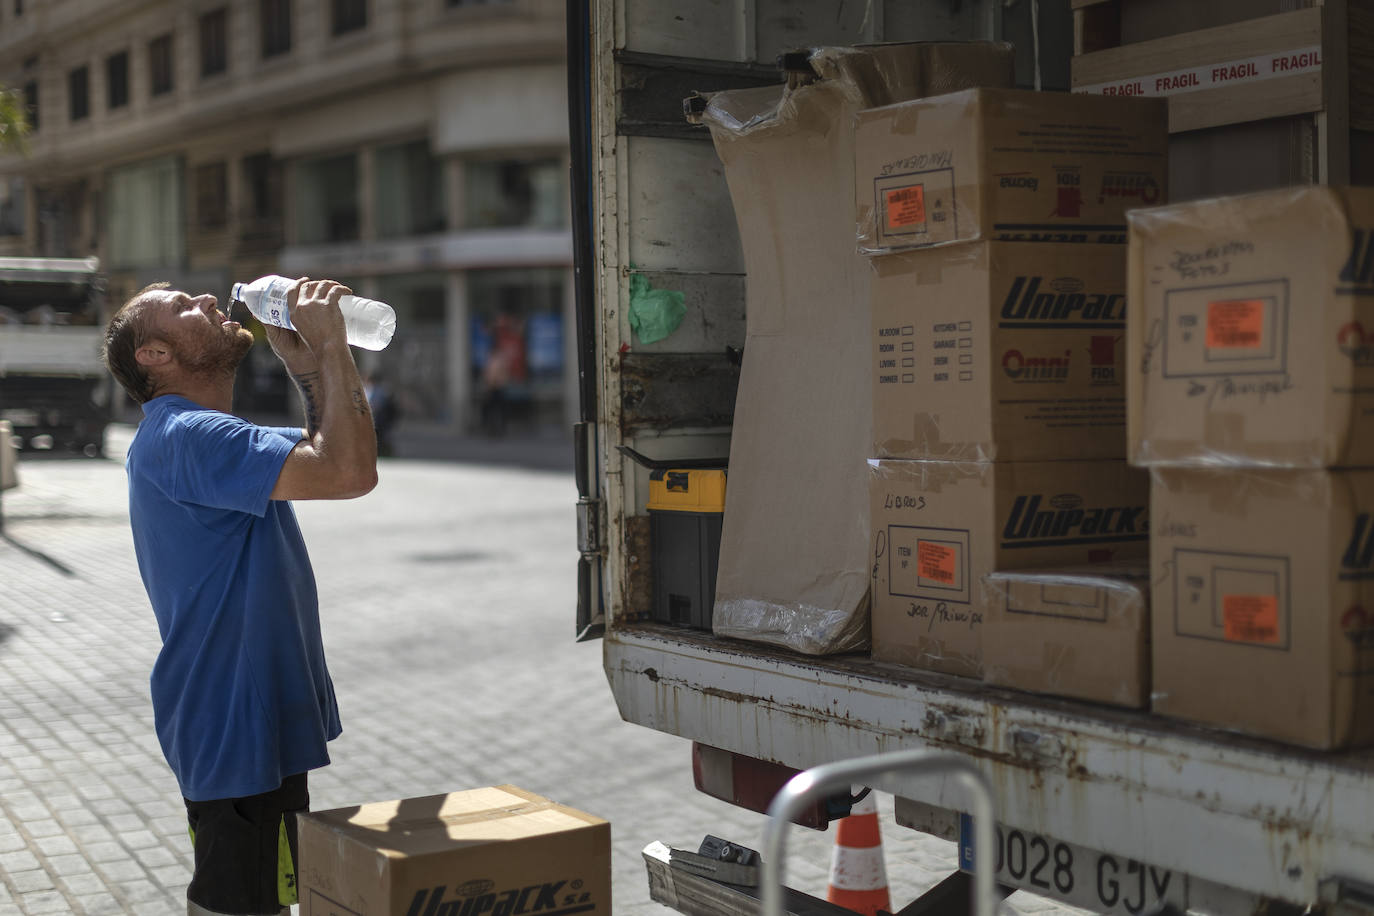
(14,122)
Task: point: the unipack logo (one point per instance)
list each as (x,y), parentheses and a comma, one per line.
(1023,180)
(481,898)
(1036,520)
(1021,368)
(1358,271)
(1061,300)
(1129,186)
(1356,344)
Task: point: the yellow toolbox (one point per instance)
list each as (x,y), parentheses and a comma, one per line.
(686,507)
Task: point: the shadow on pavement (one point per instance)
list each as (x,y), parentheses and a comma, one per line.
(456,556)
(38,555)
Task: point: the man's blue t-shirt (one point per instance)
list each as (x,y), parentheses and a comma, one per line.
(241,695)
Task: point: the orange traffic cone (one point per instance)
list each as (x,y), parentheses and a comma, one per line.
(858,880)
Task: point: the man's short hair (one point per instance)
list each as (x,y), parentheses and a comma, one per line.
(126,332)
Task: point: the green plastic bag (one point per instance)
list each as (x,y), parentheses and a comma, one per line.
(654,313)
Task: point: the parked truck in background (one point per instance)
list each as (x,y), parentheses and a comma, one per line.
(54,390)
(1112,810)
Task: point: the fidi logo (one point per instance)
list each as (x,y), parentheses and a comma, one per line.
(1102,358)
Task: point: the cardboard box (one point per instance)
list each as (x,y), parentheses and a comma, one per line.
(793,571)
(1251,330)
(940,526)
(1081,632)
(1264,602)
(1000,351)
(1006,164)
(493,850)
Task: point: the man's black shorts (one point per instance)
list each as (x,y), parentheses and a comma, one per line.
(246,850)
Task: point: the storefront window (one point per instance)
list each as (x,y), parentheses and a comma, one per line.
(415,364)
(145,213)
(11,206)
(516,192)
(327,200)
(409,191)
(516,349)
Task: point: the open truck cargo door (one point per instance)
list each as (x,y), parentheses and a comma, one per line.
(1091,801)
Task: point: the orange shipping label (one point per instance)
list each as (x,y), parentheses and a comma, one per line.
(1251,618)
(1235,324)
(906,206)
(936,562)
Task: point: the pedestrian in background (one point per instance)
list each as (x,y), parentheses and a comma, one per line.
(242,698)
(385,410)
(504,371)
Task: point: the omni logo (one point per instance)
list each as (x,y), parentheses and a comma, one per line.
(1022,367)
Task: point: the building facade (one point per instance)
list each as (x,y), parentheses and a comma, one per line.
(414,149)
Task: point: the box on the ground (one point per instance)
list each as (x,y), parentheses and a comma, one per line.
(494,850)
(1250,336)
(793,571)
(685,507)
(1006,164)
(1264,601)
(1081,632)
(940,526)
(1000,351)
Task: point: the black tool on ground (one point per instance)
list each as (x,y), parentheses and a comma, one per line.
(719,860)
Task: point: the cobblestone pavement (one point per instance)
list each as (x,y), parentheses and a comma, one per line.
(447,597)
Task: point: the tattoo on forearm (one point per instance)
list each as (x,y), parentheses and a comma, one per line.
(360,401)
(308,383)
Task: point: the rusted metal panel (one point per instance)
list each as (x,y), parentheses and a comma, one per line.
(676,390)
(639,553)
(1232,811)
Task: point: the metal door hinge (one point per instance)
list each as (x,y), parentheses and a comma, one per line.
(589,527)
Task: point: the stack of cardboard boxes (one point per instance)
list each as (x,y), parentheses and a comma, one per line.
(994,220)
(1251,345)
(793,547)
(1008,536)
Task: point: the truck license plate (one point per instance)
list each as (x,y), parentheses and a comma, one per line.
(1075,875)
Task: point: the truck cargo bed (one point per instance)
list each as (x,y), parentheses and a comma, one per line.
(1271,819)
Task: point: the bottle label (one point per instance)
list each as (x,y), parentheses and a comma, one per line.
(274,303)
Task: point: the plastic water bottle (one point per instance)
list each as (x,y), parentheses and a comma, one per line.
(368,323)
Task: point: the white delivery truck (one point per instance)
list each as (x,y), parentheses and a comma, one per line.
(1113,810)
(54,389)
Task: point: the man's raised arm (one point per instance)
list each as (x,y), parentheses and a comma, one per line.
(338,457)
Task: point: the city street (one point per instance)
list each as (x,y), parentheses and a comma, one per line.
(448,598)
